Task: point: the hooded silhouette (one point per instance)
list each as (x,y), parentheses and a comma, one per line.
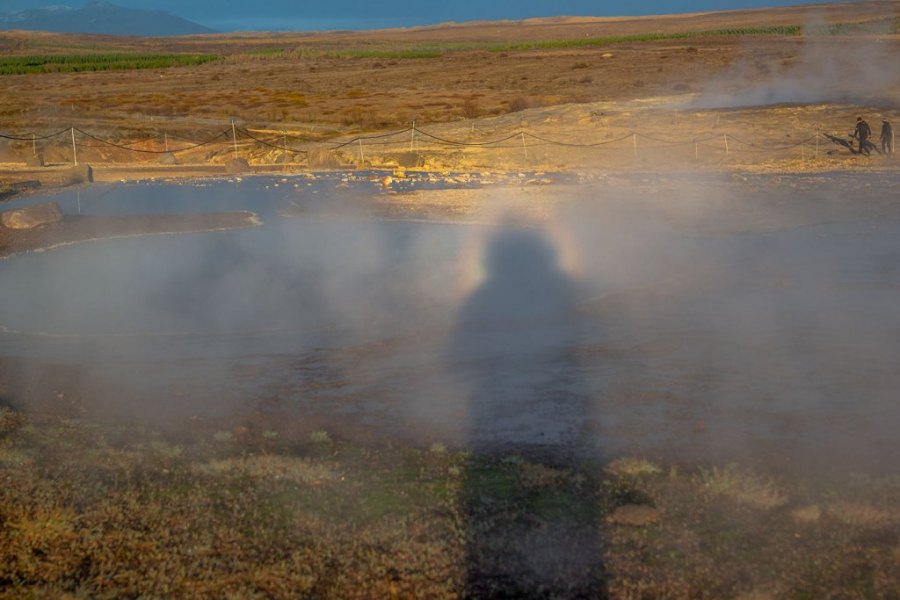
(513,354)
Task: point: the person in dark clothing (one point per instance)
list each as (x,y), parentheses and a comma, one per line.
(862,133)
(887,137)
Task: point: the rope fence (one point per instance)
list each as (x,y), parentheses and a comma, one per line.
(239,137)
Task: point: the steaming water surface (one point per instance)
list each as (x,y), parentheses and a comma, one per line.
(785,352)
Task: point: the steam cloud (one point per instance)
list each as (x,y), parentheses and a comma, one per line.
(649,316)
(856,69)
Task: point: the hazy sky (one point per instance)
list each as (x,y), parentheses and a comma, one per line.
(353,14)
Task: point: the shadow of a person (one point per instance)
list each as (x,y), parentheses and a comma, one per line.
(530,518)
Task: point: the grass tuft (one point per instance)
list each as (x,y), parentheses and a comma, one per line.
(862,514)
(10,421)
(320,436)
(743,487)
(630,466)
(223,436)
(276,468)
(807,514)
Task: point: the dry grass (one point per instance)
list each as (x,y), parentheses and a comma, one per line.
(807,514)
(120,511)
(320,436)
(632,466)
(10,421)
(538,475)
(293,469)
(863,515)
(319,86)
(744,487)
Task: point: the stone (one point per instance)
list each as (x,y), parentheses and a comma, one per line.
(21,186)
(635,515)
(323,158)
(408,160)
(35,161)
(168,159)
(30,217)
(237,165)
(79,174)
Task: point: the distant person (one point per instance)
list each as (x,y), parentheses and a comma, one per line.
(862,133)
(887,137)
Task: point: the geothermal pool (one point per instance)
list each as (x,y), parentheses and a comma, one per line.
(608,326)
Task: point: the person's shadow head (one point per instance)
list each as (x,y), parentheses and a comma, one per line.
(518,254)
(523,279)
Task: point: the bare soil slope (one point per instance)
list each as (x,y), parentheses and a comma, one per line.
(581,80)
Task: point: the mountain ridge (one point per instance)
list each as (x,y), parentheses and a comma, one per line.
(101,17)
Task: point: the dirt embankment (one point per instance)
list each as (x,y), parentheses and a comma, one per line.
(472,83)
(76,229)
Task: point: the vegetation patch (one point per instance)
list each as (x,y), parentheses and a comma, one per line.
(123,511)
(744,487)
(775,30)
(431,50)
(10,421)
(77,63)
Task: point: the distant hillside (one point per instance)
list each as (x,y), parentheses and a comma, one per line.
(98,16)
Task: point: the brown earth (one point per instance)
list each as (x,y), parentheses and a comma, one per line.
(334,85)
(80,229)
